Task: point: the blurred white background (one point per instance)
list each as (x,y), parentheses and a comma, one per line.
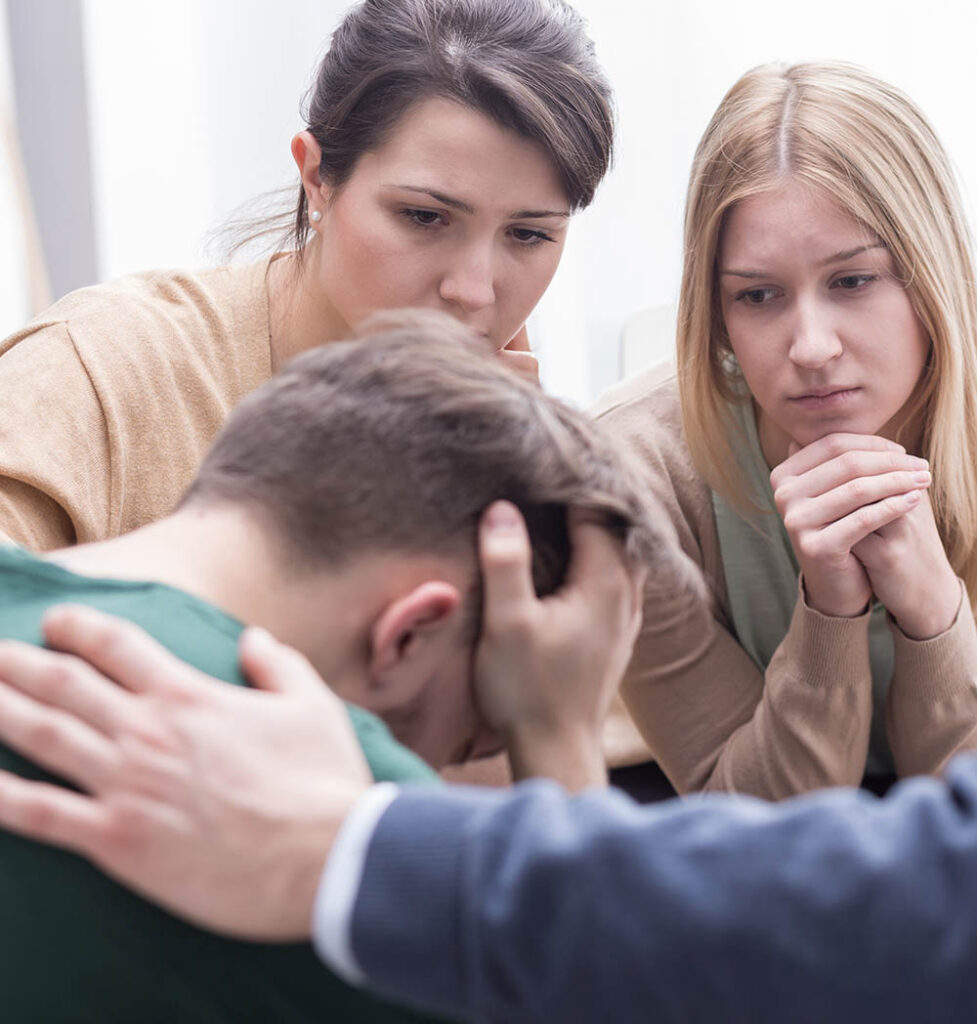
(190,106)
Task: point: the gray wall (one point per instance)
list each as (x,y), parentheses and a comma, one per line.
(52,119)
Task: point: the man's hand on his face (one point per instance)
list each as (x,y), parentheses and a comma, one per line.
(546,670)
(217,802)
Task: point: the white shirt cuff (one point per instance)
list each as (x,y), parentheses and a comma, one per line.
(332,913)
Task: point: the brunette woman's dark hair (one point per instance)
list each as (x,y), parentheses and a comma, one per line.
(527,64)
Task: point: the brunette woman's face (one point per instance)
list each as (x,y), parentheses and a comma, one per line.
(821,325)
(452,212)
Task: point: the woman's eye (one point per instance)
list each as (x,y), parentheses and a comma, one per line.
(756,296)
(531,236)
(852,282)
(422,218)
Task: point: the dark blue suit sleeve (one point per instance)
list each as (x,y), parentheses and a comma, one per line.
(531,905)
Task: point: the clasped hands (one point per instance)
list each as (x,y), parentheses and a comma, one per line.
(856,508)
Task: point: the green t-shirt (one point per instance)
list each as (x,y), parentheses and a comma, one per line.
(75,946)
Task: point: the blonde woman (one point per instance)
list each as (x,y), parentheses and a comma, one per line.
(817,451)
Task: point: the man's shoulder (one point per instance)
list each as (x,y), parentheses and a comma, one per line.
(193,629)
(66,927)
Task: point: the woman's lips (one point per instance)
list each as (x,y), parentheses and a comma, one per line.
(825,399)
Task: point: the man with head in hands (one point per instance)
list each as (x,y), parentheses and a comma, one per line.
(519,906)
(339,510)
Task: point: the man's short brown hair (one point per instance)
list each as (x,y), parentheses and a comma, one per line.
(398,441)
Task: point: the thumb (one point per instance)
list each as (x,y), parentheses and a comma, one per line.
(275,667)
(506,558)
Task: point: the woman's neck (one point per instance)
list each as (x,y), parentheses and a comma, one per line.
(301,316)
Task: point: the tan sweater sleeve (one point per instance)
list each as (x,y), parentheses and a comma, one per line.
(931,711)
(55,467)
(111,399)
(713,720)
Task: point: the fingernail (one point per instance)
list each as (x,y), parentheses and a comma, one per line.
(918,463)
(502,516)
(921,478)
(913,497)
(896,447)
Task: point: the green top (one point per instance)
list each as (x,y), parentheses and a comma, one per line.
(75,946)
(761,580)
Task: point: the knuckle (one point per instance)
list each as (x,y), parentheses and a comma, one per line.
(505,553)
(38,818)
(113,641)
(856,491)
(791,524)
(863,520)
(125,826)
(60,679)
(835,445)
(893,505)
(516,626)
(808,546)
(44,734)
(155,730)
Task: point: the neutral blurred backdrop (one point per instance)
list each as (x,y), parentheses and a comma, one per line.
(141,126)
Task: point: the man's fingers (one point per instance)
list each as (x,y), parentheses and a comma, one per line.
(120,650)
(63,681)
(598,560)
(54,740)
(50,814)
(276,667)
(506,561)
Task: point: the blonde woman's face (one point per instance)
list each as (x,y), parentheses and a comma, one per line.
(823,330)
(452,212)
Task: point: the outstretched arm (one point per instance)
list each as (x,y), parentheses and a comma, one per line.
(533,905)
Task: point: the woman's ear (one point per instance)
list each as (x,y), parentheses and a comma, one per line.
(307,154)
(409,642)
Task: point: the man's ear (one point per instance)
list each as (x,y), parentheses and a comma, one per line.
(409,642)
(307,154)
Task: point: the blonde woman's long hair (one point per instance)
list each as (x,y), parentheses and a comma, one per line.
(864,143)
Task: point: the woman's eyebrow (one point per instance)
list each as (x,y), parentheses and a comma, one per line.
(455,204)
(460,204)
(847,254)
(533,214)
(838,257)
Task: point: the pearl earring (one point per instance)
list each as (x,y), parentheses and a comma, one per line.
(315,216)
